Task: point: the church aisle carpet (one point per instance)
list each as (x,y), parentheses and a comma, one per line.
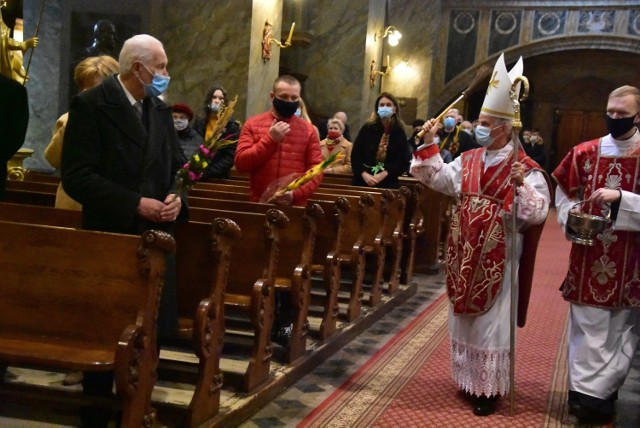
(408,382)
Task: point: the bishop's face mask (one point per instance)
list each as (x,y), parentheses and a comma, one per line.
(483,135)
(619,127)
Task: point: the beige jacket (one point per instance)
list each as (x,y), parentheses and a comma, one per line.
(343,166)
(53,155)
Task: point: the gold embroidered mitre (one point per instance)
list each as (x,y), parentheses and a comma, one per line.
(497,101)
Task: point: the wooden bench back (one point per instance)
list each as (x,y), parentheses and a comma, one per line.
(34,214)
(255,254)
(32,186)
(361,222)
(297,239)
(79,285)
(203,253)
(218,194)
(330,228)
(30,197)
(31,175)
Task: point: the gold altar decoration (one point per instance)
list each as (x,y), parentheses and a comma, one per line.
(12,51)
(15,169)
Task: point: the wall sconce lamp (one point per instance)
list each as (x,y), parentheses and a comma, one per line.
(392,33)
(268,39)
(385,70)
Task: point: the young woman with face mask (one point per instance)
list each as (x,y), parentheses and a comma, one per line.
(222,162)
(380,154)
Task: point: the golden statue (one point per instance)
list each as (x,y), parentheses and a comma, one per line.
(11,51)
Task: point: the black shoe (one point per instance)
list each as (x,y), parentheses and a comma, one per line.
(588,416)
(591,410)
(282,335)
(485,406)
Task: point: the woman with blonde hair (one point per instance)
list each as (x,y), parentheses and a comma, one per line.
(302,113)
(335,142)
(87,74)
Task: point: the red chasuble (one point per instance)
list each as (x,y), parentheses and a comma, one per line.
(476,252)
(605,275)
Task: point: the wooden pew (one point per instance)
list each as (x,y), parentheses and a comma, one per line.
(351,247)
(294,259)
(32,186)
(392,205)
(384,235)
(83,300)
(430,232)
(199,245)
(331,241)
(203,256)
(34,214)
(325,262)
(42,177)
(250,289)
(30,197)
(351,253)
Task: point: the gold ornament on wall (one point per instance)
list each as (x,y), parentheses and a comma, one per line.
(384,71)
(268,39)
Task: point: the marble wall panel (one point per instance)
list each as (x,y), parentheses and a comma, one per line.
(42,87)
(412,59)
(548,23)
(505,30)
(331,65)
(634,22)
(207,43)
(461,45)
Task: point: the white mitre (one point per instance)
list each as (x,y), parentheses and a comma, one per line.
(497,101)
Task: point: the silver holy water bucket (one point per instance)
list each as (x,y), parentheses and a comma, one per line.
(583,228)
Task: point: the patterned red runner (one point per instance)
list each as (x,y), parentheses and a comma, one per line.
(408,382)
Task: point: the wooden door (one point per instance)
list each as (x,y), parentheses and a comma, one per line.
(573,127)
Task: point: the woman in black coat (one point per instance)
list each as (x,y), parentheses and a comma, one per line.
(222,162)
(379,155)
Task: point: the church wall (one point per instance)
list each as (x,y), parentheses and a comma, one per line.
(219,41)
(332,64)
(413,57)
(207,43)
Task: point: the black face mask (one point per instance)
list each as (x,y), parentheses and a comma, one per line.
(619,127)
(285,109)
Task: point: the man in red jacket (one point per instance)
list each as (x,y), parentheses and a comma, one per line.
(277,143)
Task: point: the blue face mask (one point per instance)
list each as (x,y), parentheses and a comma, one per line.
(449,122)
(385,112)
(158,85)
(298,113)
(483,135)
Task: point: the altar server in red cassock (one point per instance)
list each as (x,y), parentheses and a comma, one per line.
(603,280)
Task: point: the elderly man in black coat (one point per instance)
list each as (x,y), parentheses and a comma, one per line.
(119,160)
